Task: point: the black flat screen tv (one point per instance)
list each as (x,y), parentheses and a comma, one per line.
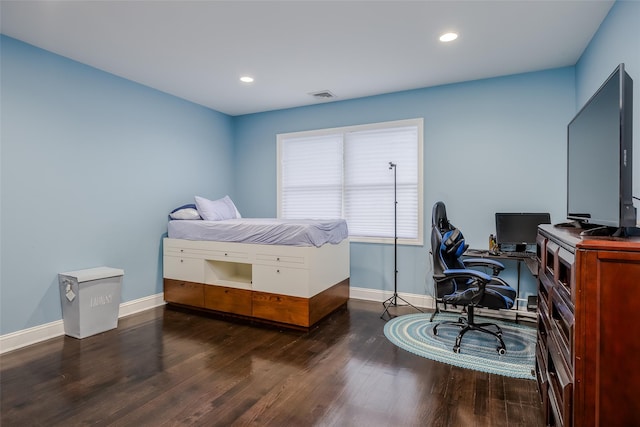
(599,157)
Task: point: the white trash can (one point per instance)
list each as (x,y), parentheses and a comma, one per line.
(90,300)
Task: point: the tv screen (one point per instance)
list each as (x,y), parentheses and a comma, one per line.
(599,156)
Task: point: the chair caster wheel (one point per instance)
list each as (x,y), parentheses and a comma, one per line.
(501,351)
(456,349)
(435,332)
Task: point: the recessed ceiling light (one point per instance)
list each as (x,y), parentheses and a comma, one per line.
(448,37)
(246,79)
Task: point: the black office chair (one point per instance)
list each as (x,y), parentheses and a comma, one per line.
(458,285)
(439,226)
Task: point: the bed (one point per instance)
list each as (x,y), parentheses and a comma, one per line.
(287,272)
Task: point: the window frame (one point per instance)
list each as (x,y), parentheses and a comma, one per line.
(417,122)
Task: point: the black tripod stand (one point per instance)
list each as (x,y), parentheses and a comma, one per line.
(392,301)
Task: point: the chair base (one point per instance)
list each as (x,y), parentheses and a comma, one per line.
(467,325)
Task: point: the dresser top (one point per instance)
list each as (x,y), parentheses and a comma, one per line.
(571,237)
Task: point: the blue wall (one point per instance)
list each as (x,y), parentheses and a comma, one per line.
(485,145)
(617,40)
(90,165)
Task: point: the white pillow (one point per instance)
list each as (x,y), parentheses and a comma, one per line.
(216,210)
(185,213)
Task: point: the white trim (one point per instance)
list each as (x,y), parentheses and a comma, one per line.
(36,334)
(427,301)
(135,306)
(25,337)
(419,300)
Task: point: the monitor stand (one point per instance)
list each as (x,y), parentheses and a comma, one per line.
(600,231)
(521,248)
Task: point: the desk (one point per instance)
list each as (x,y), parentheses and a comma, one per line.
(530,261)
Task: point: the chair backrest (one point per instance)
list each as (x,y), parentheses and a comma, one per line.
(447,245)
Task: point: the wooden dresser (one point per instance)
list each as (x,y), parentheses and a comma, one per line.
(588,350)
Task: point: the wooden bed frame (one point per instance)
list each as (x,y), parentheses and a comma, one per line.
(296,286)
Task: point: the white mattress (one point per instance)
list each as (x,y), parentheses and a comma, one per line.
(268,231)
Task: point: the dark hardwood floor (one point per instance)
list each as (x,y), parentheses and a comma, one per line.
(169,367)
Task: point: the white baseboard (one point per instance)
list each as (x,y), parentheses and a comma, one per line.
(25,337)
(427,301)
(422,301)
(132,307)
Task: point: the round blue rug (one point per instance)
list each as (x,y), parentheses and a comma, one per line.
(414,333)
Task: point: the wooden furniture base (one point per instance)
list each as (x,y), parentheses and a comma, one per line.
(280,309)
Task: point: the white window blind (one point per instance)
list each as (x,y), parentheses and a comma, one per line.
(345,173)
(369,182)
(311,177)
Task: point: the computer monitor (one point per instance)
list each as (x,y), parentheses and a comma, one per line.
(517,231)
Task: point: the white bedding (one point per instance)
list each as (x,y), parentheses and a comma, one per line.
(269,231)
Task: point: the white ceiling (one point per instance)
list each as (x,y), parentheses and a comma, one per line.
(197,50)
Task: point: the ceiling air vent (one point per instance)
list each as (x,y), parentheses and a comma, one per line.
(322,95)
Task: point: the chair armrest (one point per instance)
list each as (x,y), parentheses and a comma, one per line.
(497,266)
(467,273)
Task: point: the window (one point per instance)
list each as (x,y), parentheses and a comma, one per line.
(346,173)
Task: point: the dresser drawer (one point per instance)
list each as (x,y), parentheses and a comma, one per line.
(561,321)
(183,268)
(560,386)
(545,287)
(543,382)
(564,275)
(543,335)
(281,280)
(550,257)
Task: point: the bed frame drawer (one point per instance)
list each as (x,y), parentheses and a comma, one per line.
(228,300)
(271,259)
(183,268)
(183,292)
(281,280)
(281,308)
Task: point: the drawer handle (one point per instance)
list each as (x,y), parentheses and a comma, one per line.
(181,260)
(226,254)
(181,250)
(277,271)
(278,259)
